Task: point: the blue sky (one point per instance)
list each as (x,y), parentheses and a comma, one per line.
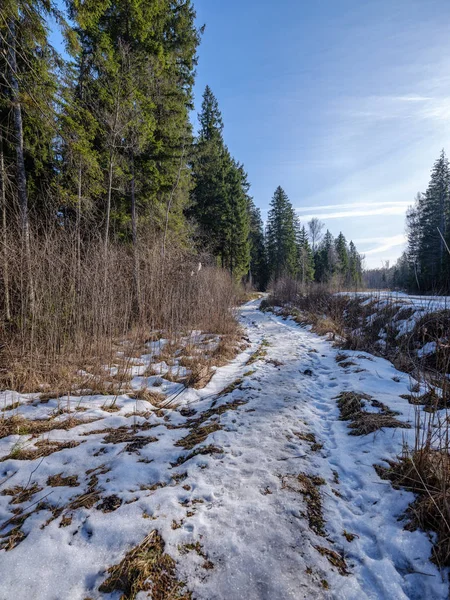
(344,103)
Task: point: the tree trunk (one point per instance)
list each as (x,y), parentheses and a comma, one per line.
(4,232)
(108,199)
(20,163)
(78,226)
(136,275)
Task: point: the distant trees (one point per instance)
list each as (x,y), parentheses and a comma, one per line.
(425,266)
(290,252)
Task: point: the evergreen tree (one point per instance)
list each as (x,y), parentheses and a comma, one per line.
(281,237)
(342,264)
(258,273)
(326,259)
(354,266)
(434,209)
(220,193)
(209,169)
(236,223)
(138,64)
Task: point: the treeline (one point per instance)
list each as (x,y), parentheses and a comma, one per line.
(425,265)
(98,144)
(306,254)
(115,216)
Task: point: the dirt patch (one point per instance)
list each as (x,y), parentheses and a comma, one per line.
(362,422)
(146,568)
(109,504)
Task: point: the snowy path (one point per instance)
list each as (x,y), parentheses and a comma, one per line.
(258,531)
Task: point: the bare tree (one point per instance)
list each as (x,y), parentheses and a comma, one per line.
(4,230)
(315,232)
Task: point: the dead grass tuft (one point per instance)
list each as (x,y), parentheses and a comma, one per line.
(59,481)
(425,472)
(334,558)
(19,425)
(21,494)
(362,422)
(431,400)
(202,451)
(155,398)
(146,568)
(308,485)
(198,435)
(43,448)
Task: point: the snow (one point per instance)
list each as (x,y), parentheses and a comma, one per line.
(250,524)
(429,303)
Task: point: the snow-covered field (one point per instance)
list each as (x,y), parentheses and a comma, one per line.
(218,478)
(429,303)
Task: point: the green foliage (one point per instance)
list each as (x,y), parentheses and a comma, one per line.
(220,194)
(258,273)
(426,265)
(281,237)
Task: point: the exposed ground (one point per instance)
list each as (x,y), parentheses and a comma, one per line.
(258,486)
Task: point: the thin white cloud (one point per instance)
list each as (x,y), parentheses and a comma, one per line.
(356,212)
(387,244)
(354,206)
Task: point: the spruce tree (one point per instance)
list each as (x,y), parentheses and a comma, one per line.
(326,259)
(354,266)
(434,209)
(209,169)
(342,265)
(281,237)
(258,272)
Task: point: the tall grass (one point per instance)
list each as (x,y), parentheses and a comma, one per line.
(85,302)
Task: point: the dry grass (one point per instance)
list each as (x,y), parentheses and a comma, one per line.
(431,400)
(154,398)
(59,480)
(21,494)
(308,485)
(198,435)
(351,408)
(19,425)
(146,568)
(42,448)
(85,308)
(334,559)
(426,472)
(202,451)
